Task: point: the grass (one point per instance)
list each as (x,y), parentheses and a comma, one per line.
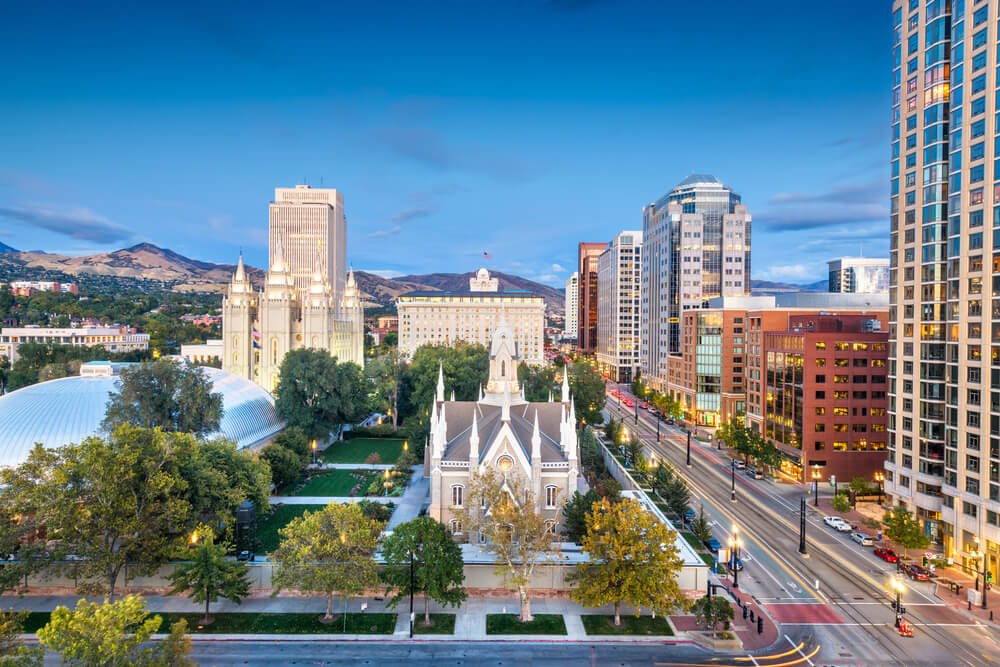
(507,624)
(358,449)
(335,483)
(276,624)
(441,624)
(699,548)
(599,624)
(281,516)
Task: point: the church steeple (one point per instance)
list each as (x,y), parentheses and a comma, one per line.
(440,383)
(503,368)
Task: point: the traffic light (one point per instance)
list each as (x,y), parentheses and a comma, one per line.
(924,561)
(989,577)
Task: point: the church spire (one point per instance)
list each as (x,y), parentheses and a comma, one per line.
(474,439)
(536,440)
(440,383)
(241,273)
(565,385)
(505,406)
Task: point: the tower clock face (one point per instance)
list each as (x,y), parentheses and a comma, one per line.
(505,463)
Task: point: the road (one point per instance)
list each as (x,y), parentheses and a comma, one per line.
(836,596)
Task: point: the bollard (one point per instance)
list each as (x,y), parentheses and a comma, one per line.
(751,615)
(745,610)
(760,625)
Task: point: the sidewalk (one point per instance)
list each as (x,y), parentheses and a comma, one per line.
(408,506)
(326,500)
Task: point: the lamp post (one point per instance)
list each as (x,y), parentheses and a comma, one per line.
(732,493)
(387,484)
(880,479)
(689,450)
(659,418)
(802,525)
(815,478)
(411,593)
(734,547)
(314,451)
(897,606)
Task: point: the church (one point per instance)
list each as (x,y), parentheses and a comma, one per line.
(305,301)
(504,432)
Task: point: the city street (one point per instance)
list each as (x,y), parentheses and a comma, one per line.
(837,594)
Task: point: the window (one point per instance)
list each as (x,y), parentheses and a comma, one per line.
(551,496)
(457,495)
(455,526)
(841,379)
(820,411)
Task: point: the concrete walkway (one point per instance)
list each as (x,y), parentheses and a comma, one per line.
(417,494)
(351,466)
(326,500)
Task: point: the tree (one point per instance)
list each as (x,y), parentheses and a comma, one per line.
(859,486)
(286,466)
(575,513)
(700,528)
(328,552)
(114,634)
(167,395)
(672,488)
(295,439)
(220,477)
(841,502)
(712,610)
(632,559)
(22,528)
(904,529)
(438,569)
(515,532)
(386,371)
(735,435)
(591,456)
(318,394)
(13,652)
(588,390)
(538,381)
(209,575)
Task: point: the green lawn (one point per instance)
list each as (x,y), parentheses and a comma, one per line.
(357,450)
(507,624)
(335,483)
(441,624)
(278,624)
(643,625)
(267,529)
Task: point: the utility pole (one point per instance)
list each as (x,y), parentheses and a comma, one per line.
(689,449)
(411,593)
(732,493)
(802,525)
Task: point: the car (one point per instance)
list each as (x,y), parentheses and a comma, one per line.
(689,515)
(670,421)
(750,471)
(713,544)
(628,403)
(916,572)
(886,554)
(864,539)
(245,555)
(740,465)
(644,406)
(836,522)
(737,565)
(843,527)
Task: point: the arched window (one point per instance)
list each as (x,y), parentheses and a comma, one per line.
(274,351)
(455,526)
(505,463)
(457,495)
(503,369)
(550,526)
(551,496)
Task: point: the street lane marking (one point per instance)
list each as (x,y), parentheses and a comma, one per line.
(800,650)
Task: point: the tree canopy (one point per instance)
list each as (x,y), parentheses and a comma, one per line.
(167,395)
(904,529)
(209,574)
(318,394)
(589,393)
(539,382)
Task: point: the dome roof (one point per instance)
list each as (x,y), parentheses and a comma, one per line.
(66,410)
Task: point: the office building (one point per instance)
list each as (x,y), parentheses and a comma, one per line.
(117,339)
(306,223)
(587,275)
(696,246)
(447,317)
(618,307)
(209,353)
(944,443)
(859,275)
(572,321)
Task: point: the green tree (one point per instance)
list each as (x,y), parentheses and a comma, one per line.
(735,435)
(588,390)
(672,489)
(284,463)
(591,455)
(114,634)
(632,559)
(841,502)
(575,513)
(165,394)
(209,574)
(538,382)
(700,528)
(438,569)
(14,652)
(295,439)
(386,372)
(859,486)
(904,529)
(712,610)
(327,552)
(318,394)
(22,528)
(515,532)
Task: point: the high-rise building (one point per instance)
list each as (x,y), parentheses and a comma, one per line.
(944,444)
(859,275)
(572,326)
(696,246)
(304,222)
(587,274)
(618,270)
(259,328)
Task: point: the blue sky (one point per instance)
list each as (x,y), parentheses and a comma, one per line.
(452,128)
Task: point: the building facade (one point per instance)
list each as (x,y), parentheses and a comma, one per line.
(696,246)
(445,318)
(859,275)
(323,313)
(209,353)
(117,339)
(535,442)
(944,441)
(588,253)
(618,270)
(29,287)
(571,329)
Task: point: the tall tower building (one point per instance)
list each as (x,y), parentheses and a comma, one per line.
(572,325)
(587,311)
(308,221)
(944,442)
(696,246)
(859,275)
(618,270)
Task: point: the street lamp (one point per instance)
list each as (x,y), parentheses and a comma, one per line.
(880,478)
(689,450)
(734,548)
(387,483)
(815,478)
(897,587)
(314,451)
(977,555)
(732,494)
(411,593)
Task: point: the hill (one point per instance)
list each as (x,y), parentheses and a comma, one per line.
(6,248)
(768,288)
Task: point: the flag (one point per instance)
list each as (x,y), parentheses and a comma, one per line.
(487,255)
(256,338)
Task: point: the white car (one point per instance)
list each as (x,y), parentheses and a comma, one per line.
(837,523)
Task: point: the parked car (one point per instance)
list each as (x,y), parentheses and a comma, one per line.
(864,539)
(670,421)
(689,515)
(836,522)
(886,554)
(245,555)
(713,544)
(644,405)
(740,465)
(916,572)
(750,471)
(628,402)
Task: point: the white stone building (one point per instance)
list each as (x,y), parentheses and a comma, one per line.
(209,352)
(502,431)
(445,318)
(859,275)
(618,274)
(117,339)
(571,328)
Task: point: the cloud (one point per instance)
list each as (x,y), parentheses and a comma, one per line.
(557,268)
(385,273)
(795,272)
(413,213)
(432,149)
(840,205)
(386,233)
(78,223)
(849,193)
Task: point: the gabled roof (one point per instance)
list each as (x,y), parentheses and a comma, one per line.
(522,422)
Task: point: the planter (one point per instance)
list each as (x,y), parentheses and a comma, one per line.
(725,641)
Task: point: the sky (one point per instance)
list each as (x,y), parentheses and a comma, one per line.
(453,129)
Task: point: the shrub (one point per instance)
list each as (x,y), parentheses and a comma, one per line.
(373,459)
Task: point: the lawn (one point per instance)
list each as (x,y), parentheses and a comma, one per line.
(441,624)
(358,449)
(335,483)
(276,624)
(267,529)
(507,624)
(643,625)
